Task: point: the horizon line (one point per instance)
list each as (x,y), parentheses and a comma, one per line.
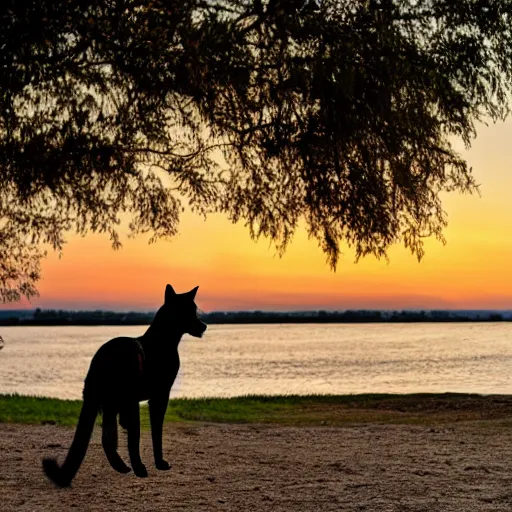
(283,311)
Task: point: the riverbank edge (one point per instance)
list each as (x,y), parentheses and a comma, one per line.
(328,410)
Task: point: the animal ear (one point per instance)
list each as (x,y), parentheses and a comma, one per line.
(169,293)
(192,293)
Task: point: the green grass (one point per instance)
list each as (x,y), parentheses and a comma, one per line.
(330,410)
(29,409)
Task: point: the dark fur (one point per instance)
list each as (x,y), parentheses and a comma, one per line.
(123,372)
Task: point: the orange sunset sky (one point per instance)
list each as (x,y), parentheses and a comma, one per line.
(473,271)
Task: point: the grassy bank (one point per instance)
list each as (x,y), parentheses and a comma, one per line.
(330,410)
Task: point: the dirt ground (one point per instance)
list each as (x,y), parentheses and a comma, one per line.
(219,467)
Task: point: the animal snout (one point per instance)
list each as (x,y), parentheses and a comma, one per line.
(199,329)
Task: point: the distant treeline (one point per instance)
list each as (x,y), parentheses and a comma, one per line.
(99,317)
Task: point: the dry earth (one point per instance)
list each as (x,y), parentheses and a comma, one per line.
(220,467)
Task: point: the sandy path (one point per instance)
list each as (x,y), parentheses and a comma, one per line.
(255,467)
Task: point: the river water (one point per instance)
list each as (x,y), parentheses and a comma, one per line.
(233,360)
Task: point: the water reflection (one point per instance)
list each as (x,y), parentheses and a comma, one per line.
(280,359)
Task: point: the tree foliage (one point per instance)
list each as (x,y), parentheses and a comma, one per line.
(339,112)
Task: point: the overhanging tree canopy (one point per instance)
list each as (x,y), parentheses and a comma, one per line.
(339,112)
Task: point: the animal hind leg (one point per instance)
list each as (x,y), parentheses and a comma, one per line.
(131,419)
(109,442)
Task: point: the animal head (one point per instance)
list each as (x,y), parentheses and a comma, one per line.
(185,310)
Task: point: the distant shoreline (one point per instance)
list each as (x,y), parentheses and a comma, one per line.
(40,317)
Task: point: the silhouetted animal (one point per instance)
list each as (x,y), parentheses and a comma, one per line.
(123,372)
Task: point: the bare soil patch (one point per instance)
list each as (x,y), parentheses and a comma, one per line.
(464,466)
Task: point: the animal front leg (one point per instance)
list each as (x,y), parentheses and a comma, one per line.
(133,427)
(157,408)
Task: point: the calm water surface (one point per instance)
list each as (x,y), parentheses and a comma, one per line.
(279,359)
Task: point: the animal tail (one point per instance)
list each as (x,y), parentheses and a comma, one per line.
(63,475)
